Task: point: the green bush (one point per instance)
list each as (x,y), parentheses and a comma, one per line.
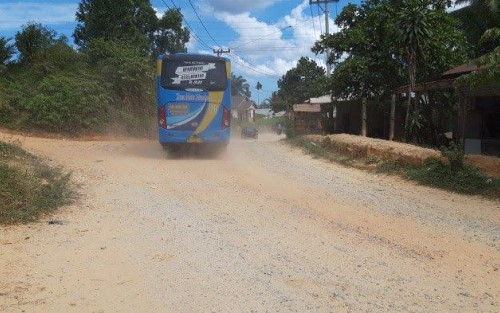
(290,129)
(269,122)
(129,74)
(467,180)
(123,66)
(68,103)
(60,57)
(108,87)
(9,97)
(455,155)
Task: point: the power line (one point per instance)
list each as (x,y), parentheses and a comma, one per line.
(228,39)
(254,68)
(187,24)
(312,18)
(319,18)
(273,49)
(262,37)
(250,41)
(209,35)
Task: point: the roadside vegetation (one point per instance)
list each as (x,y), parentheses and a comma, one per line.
(29,188)
(383,45)
(444,173)
(103,85)
(269,124)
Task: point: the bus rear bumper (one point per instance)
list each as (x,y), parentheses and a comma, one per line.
(186,137)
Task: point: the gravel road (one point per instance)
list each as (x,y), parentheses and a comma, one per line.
(263,228)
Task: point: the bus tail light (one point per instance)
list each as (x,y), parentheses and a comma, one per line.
(162,117)
(226,118)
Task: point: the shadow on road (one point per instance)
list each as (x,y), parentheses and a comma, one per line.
(153,150)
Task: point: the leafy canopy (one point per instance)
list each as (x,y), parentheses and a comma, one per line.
(6,50)
(34,40)
(363,52)
(370,53)
(300,83)
(130,21)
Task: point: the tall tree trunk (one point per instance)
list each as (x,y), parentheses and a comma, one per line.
(411,87)
(393,113)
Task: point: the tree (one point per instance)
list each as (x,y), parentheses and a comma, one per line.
(6,50)
(371,57)
(278,104)
(430,43)
(413,34)
(170,36)
(489,73)
(130,21)
(475,19)
(362,52)
(240,86)
(258,87)
(266,104)
(34,39)
(133,21)
(300,83)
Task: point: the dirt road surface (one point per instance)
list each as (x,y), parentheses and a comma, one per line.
(262,229)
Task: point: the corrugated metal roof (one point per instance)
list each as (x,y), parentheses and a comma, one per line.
(460,70)
(264,111)
(306,107)
(242,103)
(322,99)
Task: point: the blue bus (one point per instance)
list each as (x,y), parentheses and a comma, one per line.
(193,101)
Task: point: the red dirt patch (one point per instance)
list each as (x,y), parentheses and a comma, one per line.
(489,165)
(357,146)
(397,152)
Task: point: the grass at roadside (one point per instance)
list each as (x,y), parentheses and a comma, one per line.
(467,180)
(269,122)
(29,188)
(434,173)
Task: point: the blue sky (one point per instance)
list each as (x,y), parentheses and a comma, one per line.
(266,37)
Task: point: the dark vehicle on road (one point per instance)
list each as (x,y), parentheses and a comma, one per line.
(250,132)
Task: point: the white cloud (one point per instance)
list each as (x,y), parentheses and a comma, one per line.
(250,69)
(159,12)
(15,14)
(263,49)
(455,6)
(236,7)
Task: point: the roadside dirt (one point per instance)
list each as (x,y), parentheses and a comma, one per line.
(262,228)
(489,165)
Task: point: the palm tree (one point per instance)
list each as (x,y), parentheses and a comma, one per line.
(240,87)
(413,34)
(258,87)
(490,75)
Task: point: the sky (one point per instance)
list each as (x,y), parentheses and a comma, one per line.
(266,37)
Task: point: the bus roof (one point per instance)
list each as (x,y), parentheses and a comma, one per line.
(183,56)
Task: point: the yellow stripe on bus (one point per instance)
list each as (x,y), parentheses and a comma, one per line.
(158,68)
(214,101)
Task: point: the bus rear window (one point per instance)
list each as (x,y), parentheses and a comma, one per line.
(196,74)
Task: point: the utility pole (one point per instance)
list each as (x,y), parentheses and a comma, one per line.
(327,27)
(221,51)
(327,32)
